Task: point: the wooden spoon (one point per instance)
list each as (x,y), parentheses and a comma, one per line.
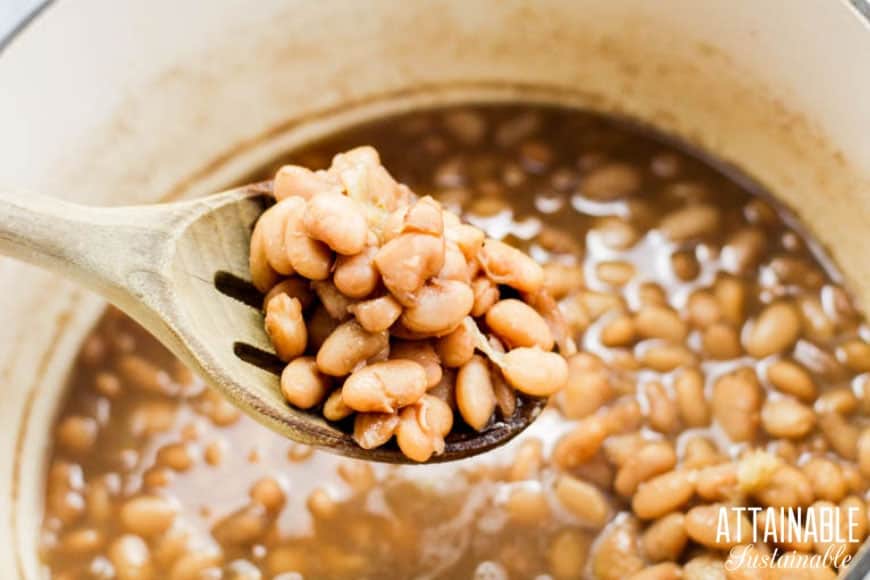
(181,271)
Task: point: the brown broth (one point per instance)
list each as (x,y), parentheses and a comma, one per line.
(137,423)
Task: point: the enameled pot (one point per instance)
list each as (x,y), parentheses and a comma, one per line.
(112,102)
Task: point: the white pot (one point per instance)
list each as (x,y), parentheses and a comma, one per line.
(113,102)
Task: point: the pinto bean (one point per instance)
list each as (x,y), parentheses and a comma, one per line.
(338,221)
(650,460)
(663,494)
(665,539)
(414,441)
(534,371)
(356,276)
(385,386)
(793,379)
(347,346)
(662,415)
(439,308)
(376,314)
(787,418)
(518,324)
(611,181)
(474,393)
(286,326)
(701,526)
(407,261)
(302,384)
(263,275)
(294,180)
(690,222)
(486,294)
(457,348)
(421,352)
(504,264)
(272,222)
(775,330)
(691,401)
(580,444)
(294,288)
(583,500)
(371,430)
(310,258)
(660,322)
(736,403)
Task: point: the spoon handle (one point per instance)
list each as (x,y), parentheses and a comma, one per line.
(112,251)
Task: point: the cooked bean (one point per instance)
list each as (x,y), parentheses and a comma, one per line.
(685,265)
(562,279)
(197,564)
(243,526)
(294,288)
(415,442)
(336,303)
(347,346)
(334,408)
(615,273)
(372,430)
(356,276)
(691,401)
(611,181)
(581,443)
(176,456)
(302,384)
(787,486)
(690,222)
(863,452)
(518,324)
(77,434)
(587,388)
(407,262)
(793,379)
(650,460)
(535,372)
(474,393)
(584,501)
(815,323)
(263,276)
(730,294)
(294,180)
(421,352)
(826,479)
(486,294)
(660,322)
(842,435)
(701,526)
(666,538)
(615,554)
(663,494)
(439,308)
(527,461)
(457,348)
(619,331)
(131,559)
(527,506)
(700,452)
(841,400)
(338,221)
(665,357)
(736,403)
(377,314)
(787,418)
(144,375)
(385,386)
(775,330)
(455,265)
(286,326)
(856,355)
(703,309)
(147,515)
(662,414)
(567,555)
(663,571)
(720,341)
(504,264)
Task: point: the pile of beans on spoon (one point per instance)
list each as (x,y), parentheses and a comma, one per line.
(387,307)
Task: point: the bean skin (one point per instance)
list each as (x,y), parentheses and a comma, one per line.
(408,261)
(337,221)
(377,314)
(385,386)
(347,346)
(439,308)
(457,348)
(310,258)
(534,371)
(504,264)
(518,324)
(302,384)
(286,326)
(421,352)
(474,393)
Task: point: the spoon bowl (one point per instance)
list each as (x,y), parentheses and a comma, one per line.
(181,271)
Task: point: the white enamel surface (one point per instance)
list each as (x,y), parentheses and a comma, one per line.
(113,102)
